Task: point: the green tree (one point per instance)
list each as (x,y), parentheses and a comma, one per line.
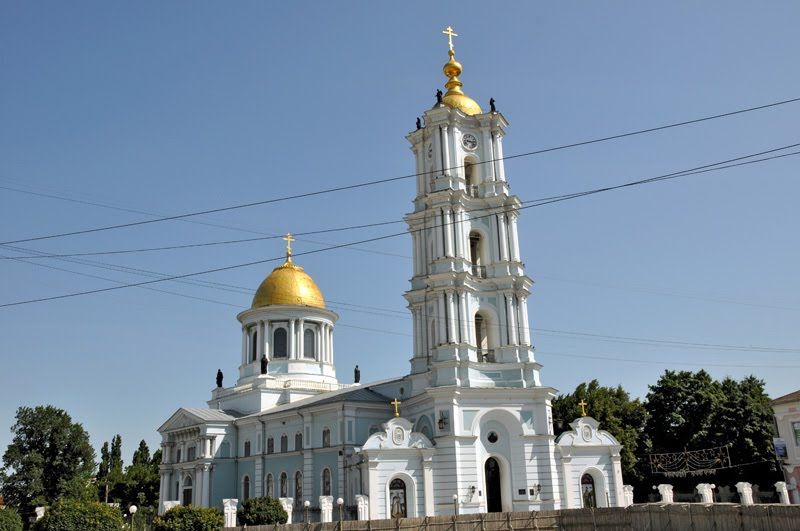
(613,408)
(10,519)
(262,511)
(142,478)
(110,476)
(77,515)
(49,458)
(189,518)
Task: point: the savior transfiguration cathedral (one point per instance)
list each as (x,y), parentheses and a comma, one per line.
(469,429)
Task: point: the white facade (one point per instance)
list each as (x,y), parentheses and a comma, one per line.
(474,431)
(787,418)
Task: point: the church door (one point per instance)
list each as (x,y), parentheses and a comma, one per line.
(494,500)
(587,491)
(397,498)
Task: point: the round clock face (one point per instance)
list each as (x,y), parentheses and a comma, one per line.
(469,141)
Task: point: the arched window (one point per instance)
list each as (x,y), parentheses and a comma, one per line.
(587,491)
(476,255)
(254,346)
(279,344)
(284,486)
(284,443)
(298,488)
(326,482)
(308,344)
(247,448)
(269,486)
(270,445)
(187,490)
(246,488)
(326,437)
(298,441)
(484,353)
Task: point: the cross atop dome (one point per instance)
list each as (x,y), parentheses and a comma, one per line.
(455,97)
(450,34)
(289,239)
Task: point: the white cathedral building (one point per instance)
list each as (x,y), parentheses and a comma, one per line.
(469,429)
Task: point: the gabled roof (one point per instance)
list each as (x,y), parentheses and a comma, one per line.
(187,417)
(791,397)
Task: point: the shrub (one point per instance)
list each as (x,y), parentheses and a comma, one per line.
(189,519)
(262,511)
(76,515)
(10,520)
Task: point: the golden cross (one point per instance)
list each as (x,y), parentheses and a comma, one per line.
(583,405)
(450,34)
(396,404)
(289,239)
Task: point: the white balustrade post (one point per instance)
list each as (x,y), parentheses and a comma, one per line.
(362,502)
(287,504)
(229,507)
(627,492)
(326,508)
(665,490)
(783,492)
(745,493)
(706,491)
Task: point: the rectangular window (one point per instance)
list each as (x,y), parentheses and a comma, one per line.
(796,431)
(191,452)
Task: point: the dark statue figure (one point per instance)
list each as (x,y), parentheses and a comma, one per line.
(357,375)
(419,124)
(219,377)
(439,95)
(492,108)
(264,364)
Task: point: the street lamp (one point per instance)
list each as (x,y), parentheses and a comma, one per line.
(306,505)
(132,509)
(340,503)
(455,504)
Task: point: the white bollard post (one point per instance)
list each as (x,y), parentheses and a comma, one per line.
(783,492)
(706,491)
(287,504)
(229,508)
(326,508)
(665,489)
(745,492)
(362,502)
(627,493)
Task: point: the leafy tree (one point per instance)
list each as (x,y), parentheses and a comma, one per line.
(49,458)
(10,519)
(110,476)
(142,478)
(77,515)
(613,408)
(262,511)
(189,518)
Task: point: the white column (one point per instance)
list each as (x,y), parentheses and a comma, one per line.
(260,338)
(415,327)
(427,484)
(501,167)
(451,317)
(330,340)
(566,474)
(494,252)
(458,232)
(448,232)
(488,169)
(415,257)
(512,326)
(495,157)
(462,303)
(440,246)
(501,224)
(445,150)
(665,489)
(292,339)
(206,486)
(706,492)
(244,345)
(745,492)
(440,320)
(163,491)
(419,157)
(513,237)
(372,481)
(616,465)
(266,338)
(525,326)
(301,338)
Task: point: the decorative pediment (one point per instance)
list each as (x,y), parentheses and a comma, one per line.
(397,434)
(586,432)
(186,418)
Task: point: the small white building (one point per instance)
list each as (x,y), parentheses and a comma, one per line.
(469,429)
(787,418)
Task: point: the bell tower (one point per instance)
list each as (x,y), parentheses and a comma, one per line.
(469,291)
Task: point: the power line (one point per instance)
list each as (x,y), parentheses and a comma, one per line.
(682,173)
(668,363)
(398,178)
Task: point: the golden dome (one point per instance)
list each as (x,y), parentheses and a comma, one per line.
(455,97)
(288,284)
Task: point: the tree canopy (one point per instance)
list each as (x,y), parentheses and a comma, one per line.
(49,458)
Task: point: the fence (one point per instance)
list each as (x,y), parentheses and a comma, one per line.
(646,517)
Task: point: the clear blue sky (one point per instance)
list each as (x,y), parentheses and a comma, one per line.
(168,107)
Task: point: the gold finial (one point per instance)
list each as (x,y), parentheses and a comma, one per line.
(289,239)
(450,34)
(396,403)
(583,405)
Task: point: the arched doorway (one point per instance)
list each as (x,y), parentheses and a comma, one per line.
(494,498)
(397,498)
(187,491)
(588,492)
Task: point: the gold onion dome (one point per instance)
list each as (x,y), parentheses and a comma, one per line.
(455,97)
(288,284)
